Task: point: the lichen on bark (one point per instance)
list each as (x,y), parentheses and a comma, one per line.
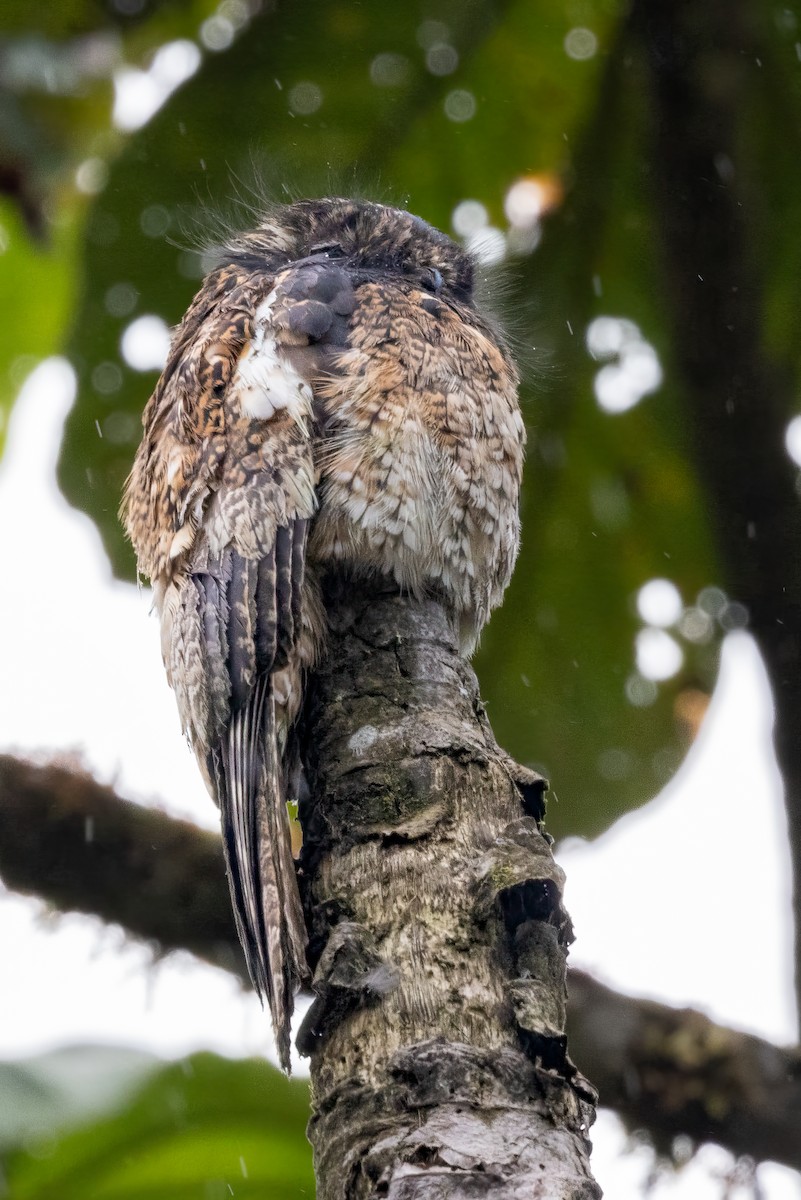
(438,935)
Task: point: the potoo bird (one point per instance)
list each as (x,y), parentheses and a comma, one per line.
(333,397)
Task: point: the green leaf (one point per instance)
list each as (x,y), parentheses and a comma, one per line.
(205,1127)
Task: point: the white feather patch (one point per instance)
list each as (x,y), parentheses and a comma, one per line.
(265,380)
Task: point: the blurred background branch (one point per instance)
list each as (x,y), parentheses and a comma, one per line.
(79,846)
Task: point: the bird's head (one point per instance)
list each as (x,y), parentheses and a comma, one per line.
(367,237)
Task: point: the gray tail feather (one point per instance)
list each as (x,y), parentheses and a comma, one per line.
(259,862)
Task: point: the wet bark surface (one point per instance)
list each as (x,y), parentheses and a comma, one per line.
(438,936)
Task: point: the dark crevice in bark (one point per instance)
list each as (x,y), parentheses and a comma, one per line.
(437,1034)
(701,60)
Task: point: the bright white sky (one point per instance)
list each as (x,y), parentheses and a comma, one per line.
(663,904)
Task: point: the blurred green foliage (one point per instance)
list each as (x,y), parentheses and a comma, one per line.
(610,500)
(203,1127)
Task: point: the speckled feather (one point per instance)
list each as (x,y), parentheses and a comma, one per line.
(332,395)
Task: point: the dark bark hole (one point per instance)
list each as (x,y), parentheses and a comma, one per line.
(532,793)
(425,1156)
(531,900)
(550,1051)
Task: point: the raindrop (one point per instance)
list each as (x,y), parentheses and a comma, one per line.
(712,600)
(217,33)
(442,59)
(305,98)
(469,216)
(121,299)
(614,765)
(154,221)
(659,602)
(3,239)
(460,105)
(91,176)
(696,626)
(145,343)
(734,616)
(640,692)
(121,428)
(659,656)
(581,43)
(106,378)
(389,70)
(236,11)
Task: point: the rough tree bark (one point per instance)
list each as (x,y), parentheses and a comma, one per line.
(437,1036)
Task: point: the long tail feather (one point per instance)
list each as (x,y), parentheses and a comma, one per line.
(259,862)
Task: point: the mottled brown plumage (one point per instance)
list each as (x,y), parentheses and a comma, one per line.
(332,396)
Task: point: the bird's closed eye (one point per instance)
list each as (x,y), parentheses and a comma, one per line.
(332,249)
(431,280)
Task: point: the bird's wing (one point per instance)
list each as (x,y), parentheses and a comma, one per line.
(218,506)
